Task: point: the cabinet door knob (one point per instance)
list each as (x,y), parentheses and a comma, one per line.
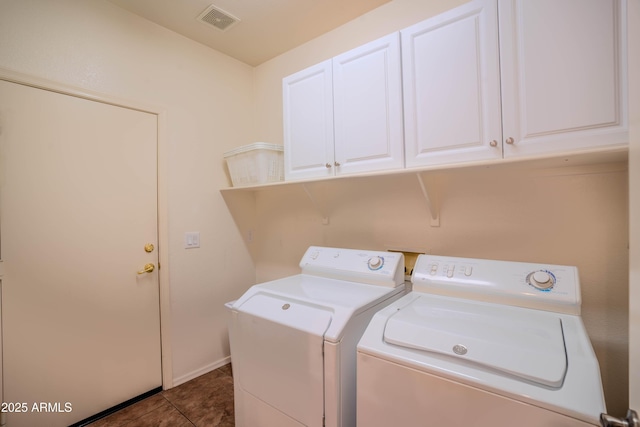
(510,141)
(328,165)
(493,143)
(336,163)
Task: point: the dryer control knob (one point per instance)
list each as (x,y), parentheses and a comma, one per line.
(375,263)
(542,280)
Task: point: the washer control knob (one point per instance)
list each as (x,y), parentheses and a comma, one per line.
(375,263)
(542,280)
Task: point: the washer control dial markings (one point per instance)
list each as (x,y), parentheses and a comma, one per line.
(375,263)
(541,279)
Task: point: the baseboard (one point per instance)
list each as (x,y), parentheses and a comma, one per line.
(206,369)
(114,409)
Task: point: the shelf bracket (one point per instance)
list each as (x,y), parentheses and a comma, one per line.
(430,201)
(314,202)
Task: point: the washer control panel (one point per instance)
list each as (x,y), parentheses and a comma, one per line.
(545,287)
(363,266)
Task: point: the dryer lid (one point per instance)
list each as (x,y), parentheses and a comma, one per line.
(305,317)
(525,343)
(318,305)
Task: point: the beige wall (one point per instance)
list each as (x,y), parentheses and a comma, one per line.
(485,213)
(208,97)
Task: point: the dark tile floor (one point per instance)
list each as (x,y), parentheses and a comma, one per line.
(206,401)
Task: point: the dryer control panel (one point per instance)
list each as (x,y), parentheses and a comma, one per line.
(356,265)
(541,286)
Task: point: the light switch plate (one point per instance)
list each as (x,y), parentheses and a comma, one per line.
(192,239)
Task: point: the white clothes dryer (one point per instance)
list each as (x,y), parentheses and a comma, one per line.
(293,340)
(480,343)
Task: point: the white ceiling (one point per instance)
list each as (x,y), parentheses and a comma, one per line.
(266,29)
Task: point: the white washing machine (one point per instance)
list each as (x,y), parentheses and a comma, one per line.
(293,340)
(480,343)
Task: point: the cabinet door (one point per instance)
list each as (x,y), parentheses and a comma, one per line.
(563,83)
(451,82)
(367,90)
(308,123)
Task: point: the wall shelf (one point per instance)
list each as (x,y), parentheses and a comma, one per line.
(426,179)
(599,156)
(429,187)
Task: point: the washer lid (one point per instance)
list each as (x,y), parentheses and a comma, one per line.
(521,342)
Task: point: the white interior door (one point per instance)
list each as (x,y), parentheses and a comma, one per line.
(80,327)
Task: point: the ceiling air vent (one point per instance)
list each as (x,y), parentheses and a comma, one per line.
(218,18)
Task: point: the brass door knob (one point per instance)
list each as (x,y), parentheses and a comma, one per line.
(148,268)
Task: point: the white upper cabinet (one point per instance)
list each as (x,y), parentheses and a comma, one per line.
(367,95)
(345,115)
(563,75)
(451,82)
(308,122)
(490,79)
(553,83)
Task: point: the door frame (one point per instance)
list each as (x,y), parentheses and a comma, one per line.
(633,26)
(162,189)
